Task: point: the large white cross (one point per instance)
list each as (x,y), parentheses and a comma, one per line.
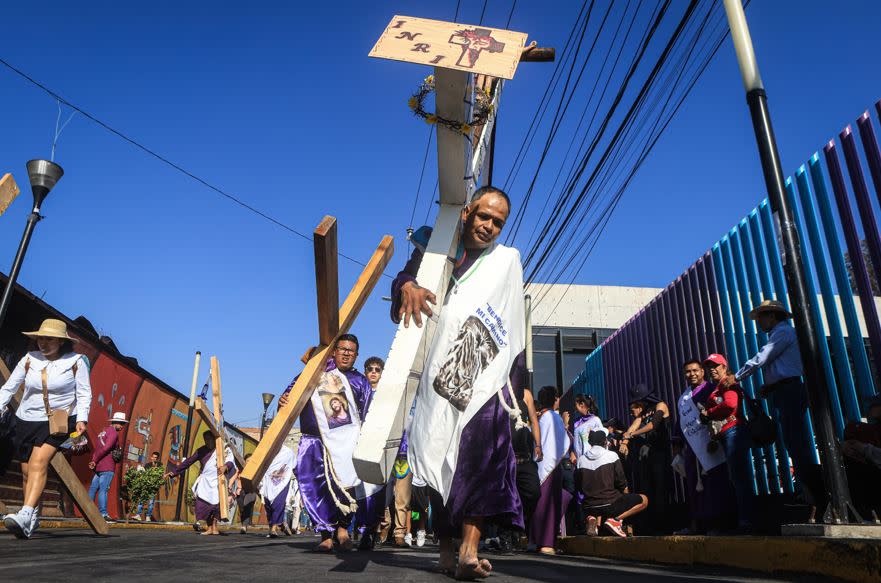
(460,161)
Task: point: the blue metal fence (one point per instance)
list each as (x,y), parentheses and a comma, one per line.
(706,309)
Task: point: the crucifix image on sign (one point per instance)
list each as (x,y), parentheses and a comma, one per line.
(450,45)
(474,41)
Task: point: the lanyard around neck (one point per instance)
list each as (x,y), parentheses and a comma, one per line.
(457,282)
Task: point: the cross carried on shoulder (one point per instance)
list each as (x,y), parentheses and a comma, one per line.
(484,62)
(333,321)
(214,423)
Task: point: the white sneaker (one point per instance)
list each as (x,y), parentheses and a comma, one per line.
(136,517)
(420,538)
(408,539)
(149,519)
(17,525)
(35,522)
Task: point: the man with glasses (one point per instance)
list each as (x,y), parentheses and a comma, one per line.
(331,492)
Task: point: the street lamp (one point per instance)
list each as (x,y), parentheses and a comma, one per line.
(834,476)
(43,176)
(267,399)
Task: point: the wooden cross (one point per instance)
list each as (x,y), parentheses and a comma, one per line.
(333,321)
(219,441)
(207,417)
(460,162)
(68,477)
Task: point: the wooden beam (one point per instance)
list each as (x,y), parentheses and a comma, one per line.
(207,417)
(381,432)
(301,392)
(220,444)
(450,102)
(8,191)
(69,478)
(536,54)
(324,240)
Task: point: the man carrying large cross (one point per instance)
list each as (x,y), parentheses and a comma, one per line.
(460,435)
(330,424)
(206,487)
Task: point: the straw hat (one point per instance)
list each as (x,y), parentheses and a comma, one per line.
(769,306)
(51,328)
(118,417)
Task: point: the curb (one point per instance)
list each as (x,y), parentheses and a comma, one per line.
(134,525)
(854,560)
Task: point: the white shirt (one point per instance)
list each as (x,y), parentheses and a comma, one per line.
(593,423)
(779,358)
(65,392)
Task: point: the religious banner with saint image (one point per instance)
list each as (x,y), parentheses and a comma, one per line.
(336,412)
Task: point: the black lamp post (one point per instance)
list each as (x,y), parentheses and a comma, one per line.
(267,399)
(43,176)
(834,476)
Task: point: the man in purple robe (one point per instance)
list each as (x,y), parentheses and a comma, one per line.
(329,492)
(205,488)
(483,489)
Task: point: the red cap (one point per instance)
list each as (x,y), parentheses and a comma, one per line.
(716,359)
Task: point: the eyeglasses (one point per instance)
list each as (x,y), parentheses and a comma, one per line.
(374,369)
(347,350)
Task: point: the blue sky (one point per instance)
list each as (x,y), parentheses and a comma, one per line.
(279,104)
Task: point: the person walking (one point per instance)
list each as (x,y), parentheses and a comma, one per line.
(55,380)
(245,501)
(205,488)
(104,461)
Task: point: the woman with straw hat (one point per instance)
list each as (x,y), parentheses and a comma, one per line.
(54,379)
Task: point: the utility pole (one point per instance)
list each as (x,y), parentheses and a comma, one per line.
(838,510)
(185,448)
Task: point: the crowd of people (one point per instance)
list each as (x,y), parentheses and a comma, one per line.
(486,462)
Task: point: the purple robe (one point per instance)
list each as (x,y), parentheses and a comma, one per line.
(204,510)
(485,481)
(275,509)
(314,489)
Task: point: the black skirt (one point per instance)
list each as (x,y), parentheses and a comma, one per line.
(26,435)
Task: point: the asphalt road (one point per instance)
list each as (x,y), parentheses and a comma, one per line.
(173,555)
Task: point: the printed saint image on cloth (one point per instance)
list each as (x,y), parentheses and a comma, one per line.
(278,475)
(334,401)
(469,355)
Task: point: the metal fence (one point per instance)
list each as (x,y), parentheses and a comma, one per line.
(706,309)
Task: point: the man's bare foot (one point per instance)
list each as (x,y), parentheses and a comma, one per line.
(209,533)
(473,568)
(325,546)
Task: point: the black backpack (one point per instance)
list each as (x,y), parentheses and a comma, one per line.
(762,428)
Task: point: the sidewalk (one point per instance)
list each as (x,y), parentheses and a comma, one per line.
(856,560)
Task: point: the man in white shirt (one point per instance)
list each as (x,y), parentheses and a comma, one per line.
(781,364)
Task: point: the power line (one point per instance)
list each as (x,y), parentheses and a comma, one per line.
(165,160)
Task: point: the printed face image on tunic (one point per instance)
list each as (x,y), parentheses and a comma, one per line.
(334,401)
(469,355)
